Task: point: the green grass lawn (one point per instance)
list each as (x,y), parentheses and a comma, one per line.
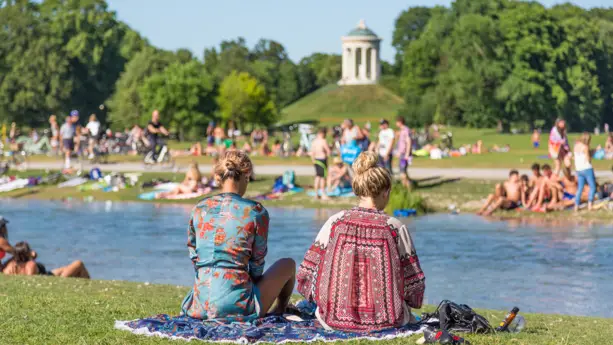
(49,310)
(521,156)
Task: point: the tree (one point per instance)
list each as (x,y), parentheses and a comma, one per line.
(408,27)
(125,106)
(243,99)
(184,95)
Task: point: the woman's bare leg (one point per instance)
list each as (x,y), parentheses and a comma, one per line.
(277,284)
(75,270)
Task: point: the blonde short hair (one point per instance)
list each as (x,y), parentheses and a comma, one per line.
(370,179)
(233,165)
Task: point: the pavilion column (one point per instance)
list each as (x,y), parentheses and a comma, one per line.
(363,64)
(344,63)
(374,73)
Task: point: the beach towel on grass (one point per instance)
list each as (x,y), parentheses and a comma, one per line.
(272,329)
(14,185)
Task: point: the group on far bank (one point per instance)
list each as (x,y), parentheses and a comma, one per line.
(546,190)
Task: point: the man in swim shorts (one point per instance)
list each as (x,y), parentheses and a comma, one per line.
(320,151)
(507,196)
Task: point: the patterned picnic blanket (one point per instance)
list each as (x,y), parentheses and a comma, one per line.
(272,329)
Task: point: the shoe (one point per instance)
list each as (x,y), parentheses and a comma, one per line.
(91,156)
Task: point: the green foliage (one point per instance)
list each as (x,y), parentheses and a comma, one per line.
(402,198)
(126,108)
(60,55)
(243,99)
(183,93)
(484,61)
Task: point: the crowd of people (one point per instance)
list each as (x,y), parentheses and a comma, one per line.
(548,190)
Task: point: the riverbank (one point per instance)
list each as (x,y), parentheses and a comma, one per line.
(441,194)
(48,310)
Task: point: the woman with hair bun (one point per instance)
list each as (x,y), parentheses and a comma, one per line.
(227,241)
(362,271)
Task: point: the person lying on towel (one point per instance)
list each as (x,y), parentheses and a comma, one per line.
(362,271)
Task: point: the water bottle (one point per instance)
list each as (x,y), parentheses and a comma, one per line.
(504,325)
(517,324)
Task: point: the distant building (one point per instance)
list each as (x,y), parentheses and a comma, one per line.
(361,57)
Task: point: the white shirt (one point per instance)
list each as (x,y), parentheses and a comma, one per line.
(386,138)
(582,161)
(93,127)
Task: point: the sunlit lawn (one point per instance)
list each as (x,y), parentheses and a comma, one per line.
(49,310)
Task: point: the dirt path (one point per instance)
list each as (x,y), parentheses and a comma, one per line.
(490,174)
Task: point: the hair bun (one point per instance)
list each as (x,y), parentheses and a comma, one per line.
(364,162)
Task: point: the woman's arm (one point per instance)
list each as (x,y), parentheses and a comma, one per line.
(191,238)
(414,280)
(5,246)
(260,243)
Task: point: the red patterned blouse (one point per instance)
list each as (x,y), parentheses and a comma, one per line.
(363,273)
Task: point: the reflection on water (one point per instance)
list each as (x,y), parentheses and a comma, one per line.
(538,265)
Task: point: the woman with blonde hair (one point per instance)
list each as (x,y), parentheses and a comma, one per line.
(227,242)
(585,172)
(191,183)
(362,271)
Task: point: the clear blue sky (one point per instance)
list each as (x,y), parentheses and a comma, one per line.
(303,27)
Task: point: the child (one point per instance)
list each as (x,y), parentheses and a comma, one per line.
(536,139)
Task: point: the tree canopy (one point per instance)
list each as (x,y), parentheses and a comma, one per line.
(520,63)
(475,63)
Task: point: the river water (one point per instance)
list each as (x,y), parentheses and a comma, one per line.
(541,267)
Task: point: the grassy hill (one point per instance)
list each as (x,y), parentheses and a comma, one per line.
(331,104)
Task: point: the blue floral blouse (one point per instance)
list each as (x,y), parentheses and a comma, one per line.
(227,242)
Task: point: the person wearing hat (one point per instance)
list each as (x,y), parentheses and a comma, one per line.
(385,145)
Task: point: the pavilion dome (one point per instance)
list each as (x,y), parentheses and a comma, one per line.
(362,31)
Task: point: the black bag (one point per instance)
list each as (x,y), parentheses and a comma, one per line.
(453,317)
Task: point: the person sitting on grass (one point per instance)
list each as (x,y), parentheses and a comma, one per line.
(338,175)
(526,189)
(507,196)
(362,271)
(548,191)
(569,184)
(22,263)
(227,243)
(191,183)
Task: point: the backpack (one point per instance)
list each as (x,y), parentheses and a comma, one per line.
(453,317)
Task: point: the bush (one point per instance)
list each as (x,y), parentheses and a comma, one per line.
(402,198)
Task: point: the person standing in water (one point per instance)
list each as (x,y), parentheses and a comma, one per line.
(320,151)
